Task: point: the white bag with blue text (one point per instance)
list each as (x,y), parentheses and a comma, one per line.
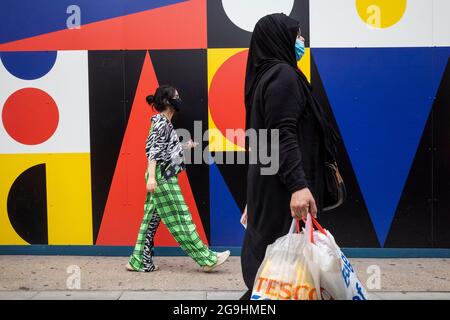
(334,272)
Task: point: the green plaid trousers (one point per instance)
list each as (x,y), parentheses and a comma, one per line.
(168,202)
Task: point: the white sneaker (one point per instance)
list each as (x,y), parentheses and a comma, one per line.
(130,268)
(221,258)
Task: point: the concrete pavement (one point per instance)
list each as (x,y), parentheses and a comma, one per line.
(186,295)
(81,277)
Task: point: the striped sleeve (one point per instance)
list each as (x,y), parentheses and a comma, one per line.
(157,140)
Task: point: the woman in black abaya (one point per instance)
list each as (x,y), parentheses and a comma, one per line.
(278,96)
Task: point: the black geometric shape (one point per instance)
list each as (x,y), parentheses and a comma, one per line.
(223,33)
(412,223)
(27,205)
(113,79)
(132,66)
(186,70)
(350,223)
(422,218)
(441,163)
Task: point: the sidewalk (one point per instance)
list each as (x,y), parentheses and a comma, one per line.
(47,277)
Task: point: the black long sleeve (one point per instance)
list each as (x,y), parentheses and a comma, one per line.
(282,108)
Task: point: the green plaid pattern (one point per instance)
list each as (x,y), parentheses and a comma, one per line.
(169,203)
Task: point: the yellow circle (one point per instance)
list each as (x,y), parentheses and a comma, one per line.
(381,13)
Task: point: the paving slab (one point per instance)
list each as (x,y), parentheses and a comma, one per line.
(77,295)
(224,295)
(17,295)
(164,295)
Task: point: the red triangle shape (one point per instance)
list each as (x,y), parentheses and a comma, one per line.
(124,207)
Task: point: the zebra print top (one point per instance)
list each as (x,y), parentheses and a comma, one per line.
(164,146)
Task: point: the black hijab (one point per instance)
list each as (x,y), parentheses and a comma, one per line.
(273,42)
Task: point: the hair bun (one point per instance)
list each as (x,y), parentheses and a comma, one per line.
(150,99)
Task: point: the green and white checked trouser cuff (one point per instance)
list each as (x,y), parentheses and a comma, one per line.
(169,204)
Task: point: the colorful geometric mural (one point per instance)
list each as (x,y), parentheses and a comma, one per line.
(74,75)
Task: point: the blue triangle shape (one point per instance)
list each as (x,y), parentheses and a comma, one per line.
(22,19)
(226,229)
(381,99)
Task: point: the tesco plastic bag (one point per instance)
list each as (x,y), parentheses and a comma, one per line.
(306,266)
(335,274)
(284,273)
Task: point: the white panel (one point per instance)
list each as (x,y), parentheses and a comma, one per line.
(337,24)
(245,14)
(441,23)
(67,83)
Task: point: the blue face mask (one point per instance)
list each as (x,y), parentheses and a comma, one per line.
(299,49)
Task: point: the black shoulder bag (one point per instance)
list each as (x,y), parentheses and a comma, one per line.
(335,192)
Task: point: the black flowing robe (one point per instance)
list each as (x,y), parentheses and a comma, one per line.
(280,105)
(279,100)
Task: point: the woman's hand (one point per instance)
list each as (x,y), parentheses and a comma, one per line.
(151,184)
(244,217)
(302,203)
(190,144)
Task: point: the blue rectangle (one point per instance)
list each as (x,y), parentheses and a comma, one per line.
(123,251)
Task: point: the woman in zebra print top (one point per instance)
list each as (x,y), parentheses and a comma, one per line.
(164,147)
(164,198)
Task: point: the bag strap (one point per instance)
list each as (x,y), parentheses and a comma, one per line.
(318,226)
(313,222)
(295,226)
